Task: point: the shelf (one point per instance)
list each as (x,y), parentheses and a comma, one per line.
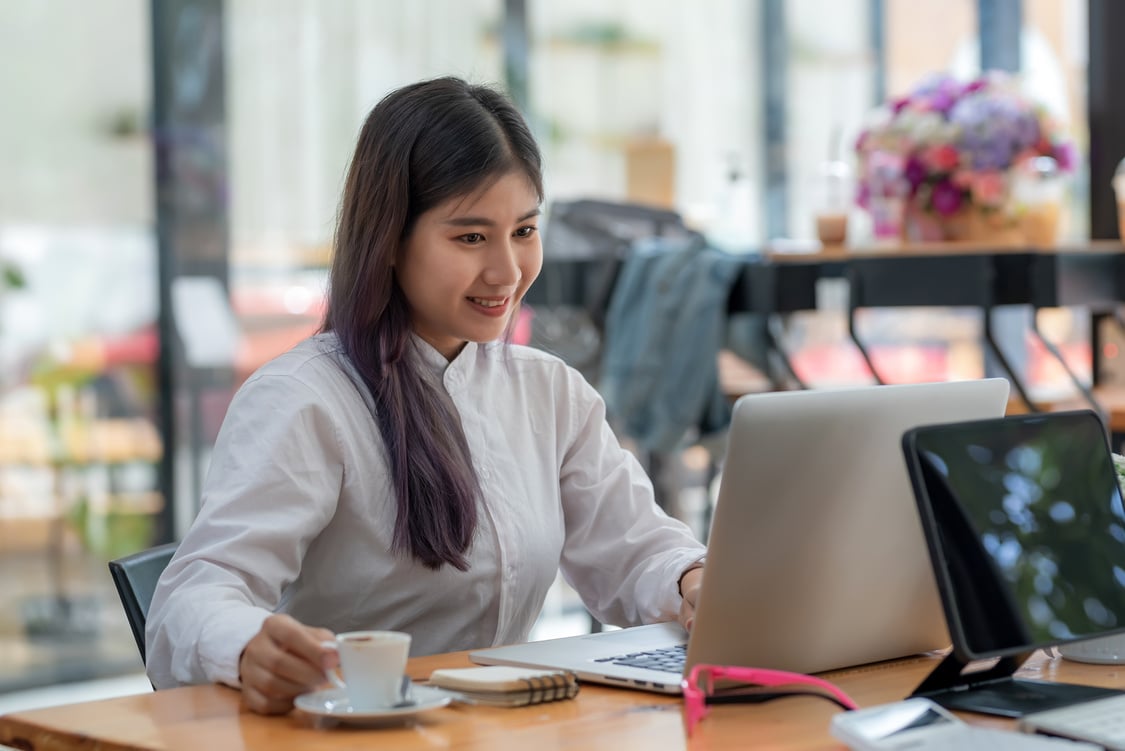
(107,441)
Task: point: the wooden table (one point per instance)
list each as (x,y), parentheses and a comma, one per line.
(210,718)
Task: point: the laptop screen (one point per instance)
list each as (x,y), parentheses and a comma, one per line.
(1026,528)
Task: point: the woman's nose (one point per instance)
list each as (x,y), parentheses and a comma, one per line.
(503,267)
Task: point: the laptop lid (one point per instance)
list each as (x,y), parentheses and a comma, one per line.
(815,556)
(1026,529)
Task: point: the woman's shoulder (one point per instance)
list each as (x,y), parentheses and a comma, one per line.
(314,362)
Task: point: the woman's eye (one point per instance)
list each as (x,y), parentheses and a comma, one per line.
(472,238)
(526,231)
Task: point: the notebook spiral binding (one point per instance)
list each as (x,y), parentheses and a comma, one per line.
(551,687)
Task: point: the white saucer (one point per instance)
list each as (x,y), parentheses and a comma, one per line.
(333,703)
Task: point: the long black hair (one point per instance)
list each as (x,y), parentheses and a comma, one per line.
(421,145)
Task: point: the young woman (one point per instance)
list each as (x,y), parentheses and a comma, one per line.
(404,469)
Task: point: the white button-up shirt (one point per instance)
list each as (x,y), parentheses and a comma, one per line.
(298,514)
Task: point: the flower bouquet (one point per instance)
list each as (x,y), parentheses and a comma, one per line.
(960,157)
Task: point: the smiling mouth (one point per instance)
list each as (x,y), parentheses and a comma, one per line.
(488,303)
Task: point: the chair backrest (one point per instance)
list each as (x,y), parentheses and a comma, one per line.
(584,243)
(135,577)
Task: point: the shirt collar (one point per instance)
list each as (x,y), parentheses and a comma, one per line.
(434,362)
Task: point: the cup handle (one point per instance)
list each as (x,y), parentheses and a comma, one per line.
(331,674)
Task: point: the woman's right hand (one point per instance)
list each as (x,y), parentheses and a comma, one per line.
(284,660)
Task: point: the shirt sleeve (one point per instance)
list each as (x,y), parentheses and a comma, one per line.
(273,484)
(622,553)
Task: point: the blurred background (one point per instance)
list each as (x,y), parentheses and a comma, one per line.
(170,170)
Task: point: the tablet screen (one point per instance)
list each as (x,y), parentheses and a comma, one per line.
(1026,525)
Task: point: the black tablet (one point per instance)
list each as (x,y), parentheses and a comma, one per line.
(1026,532)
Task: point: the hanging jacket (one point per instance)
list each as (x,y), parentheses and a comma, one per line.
(664,328)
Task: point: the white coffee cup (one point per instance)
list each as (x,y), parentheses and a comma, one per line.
(373,663)
(1105,650)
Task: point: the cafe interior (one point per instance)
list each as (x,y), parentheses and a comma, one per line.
(170,173)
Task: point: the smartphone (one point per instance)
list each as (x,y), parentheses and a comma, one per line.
(921,725)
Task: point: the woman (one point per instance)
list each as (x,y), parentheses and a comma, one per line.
(402,469)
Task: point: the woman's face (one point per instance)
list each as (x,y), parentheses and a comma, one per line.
(469,261)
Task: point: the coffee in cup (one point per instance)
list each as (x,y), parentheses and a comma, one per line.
(833,198)
(373,663)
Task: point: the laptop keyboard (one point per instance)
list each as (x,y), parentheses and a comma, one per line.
(666,659)
(1101,721)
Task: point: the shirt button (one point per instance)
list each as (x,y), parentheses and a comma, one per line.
(484,473)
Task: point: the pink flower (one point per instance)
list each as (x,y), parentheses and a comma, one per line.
(988,188)
(962,178)
(943,158)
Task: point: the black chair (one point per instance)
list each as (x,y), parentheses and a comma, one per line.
(135,577)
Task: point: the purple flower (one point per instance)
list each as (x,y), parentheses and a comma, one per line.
(946,198)
(976,85)
(1065,156)
(993,129)
(863,195)
(942,102)
(915,172)
(937,83)
(937,93)
(1026,130)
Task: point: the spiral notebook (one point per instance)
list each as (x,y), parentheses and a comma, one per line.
(505,686)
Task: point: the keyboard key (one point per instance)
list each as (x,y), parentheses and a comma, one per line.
(669,659)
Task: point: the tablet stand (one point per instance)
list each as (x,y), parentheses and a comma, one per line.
(994,691)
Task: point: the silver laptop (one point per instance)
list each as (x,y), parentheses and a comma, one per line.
(816,558)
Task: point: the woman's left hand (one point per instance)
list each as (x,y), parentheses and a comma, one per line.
(689,590)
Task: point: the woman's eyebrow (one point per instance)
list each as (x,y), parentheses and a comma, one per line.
(478,221)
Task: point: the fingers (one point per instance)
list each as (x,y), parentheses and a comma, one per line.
(302,642)
(258,702)
(280,672)
(283,660)
(330,658)
(687,615)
